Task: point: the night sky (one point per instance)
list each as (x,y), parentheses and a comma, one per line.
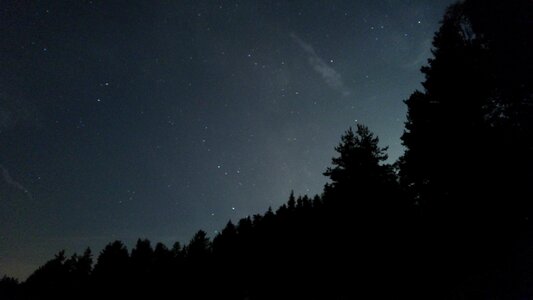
(128,119)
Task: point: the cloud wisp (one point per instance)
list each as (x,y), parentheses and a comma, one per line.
(10,181)
(330,76)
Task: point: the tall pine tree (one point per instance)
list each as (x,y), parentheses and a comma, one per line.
(470,128)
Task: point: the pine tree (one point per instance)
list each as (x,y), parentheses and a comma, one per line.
(358,170)
(472,122)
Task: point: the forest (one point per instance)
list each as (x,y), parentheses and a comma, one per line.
(450,219)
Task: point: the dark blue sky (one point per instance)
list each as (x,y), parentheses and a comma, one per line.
(127,119)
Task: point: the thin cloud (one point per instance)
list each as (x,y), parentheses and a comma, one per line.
(330,76)
(424,53)
(9,180)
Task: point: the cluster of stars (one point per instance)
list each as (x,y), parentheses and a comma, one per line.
(228,103)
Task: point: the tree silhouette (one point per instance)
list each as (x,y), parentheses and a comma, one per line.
(142,257)
(199,247)
(83,264)
(473,119)
(9,288)
(112,271)
(50,280)
(468,139)
(358,174)
(358,153)
(79,268)
(444,121)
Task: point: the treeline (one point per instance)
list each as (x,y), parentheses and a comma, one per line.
(451,219)
(310,248)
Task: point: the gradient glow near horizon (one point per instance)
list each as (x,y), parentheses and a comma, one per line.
(127,119)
